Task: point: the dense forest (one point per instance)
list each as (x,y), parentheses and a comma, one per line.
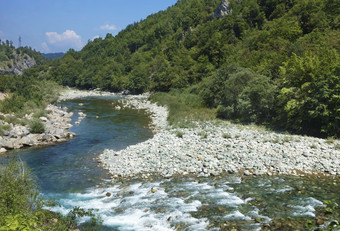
(268,62)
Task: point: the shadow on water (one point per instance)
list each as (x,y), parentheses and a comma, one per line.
(69,166)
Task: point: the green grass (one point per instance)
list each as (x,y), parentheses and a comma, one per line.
(12,120)
(21,207)
(226,136)
(36,126)
(184,108)
(330,140)
(203,134)
(39,112)
(337,146)
(179,134)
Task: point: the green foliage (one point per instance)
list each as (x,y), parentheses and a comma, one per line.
(179,134)
(184,107)
(240,94)
(226,136)
(263,52)
(12,120)
(18,192)
(21,207)
(36,126)
(309,99)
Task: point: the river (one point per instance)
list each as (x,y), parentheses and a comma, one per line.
(70,173)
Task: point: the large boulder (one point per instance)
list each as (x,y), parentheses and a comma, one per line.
(29,140)
(6,143)
(19,131)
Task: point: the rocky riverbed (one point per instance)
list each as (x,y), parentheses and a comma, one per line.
(56,123)
(215,147)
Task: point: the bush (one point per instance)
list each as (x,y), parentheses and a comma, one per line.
(179,134)
(21,207)
(224,112)
(39,113)
(18,191)
(36,126)
(12,120)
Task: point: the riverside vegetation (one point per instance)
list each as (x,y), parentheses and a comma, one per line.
(268,62)
(274,63)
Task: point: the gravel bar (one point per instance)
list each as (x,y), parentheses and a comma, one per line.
(215,147)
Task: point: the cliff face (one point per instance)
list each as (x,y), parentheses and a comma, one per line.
(222,10)
(17,65)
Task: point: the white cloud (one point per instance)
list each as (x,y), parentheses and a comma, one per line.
(68,38)
(108,27)
(45,47)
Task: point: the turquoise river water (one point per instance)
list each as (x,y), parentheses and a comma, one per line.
(69,173)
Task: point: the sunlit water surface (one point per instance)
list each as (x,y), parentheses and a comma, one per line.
(69,173)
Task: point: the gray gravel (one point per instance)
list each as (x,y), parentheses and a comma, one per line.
(214,147)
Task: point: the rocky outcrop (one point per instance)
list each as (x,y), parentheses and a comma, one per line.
(222,10)
(56,125)
(18,64)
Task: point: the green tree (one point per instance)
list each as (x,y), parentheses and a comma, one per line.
(310,97)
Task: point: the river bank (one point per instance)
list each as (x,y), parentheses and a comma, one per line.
(56,124)
(215,147)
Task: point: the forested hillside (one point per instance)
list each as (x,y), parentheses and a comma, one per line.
(19,83)
(267,61)
(16,60)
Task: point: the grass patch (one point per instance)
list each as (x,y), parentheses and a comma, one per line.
(184,108)
(36,126)
(287,138)
(330,140)
(39,112)
(4,128)
(12,120)
(203,134)
(179,134)
(313,146)
(337,147)
(226,136)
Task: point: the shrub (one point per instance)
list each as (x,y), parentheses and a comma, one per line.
(36,126)
(226,136)
(179,134)
(18,192)
(21,207)
(12,120)
(203,134)
(39,113)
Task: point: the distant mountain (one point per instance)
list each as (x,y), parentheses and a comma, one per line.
(53,56)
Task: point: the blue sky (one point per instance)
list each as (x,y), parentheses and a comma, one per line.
(58,25)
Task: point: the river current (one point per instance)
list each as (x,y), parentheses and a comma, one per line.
(69,173)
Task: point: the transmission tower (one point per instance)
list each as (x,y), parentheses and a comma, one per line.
(19,41)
